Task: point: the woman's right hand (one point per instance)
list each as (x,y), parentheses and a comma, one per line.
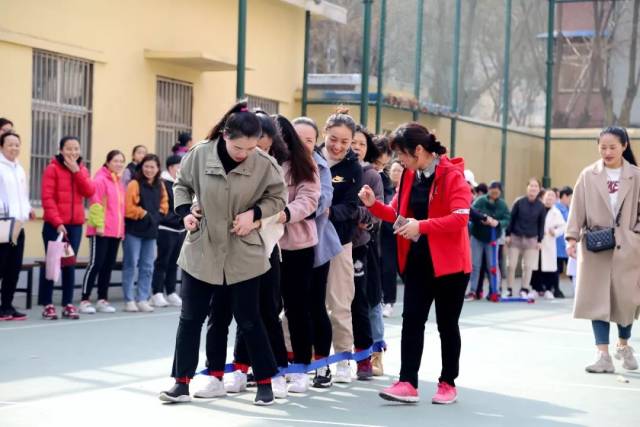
(572,249)
(191,223)
(507,240)
(367,196)
(61,229)
(196,210)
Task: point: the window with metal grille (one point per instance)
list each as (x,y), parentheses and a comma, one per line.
(61,100)
(173,114)
(268,105)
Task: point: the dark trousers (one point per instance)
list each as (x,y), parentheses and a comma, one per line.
(297,268)
(45,291)
(420,291)
(270,309)
(322,333)
(165,270)
(102,256)
(239,301)
(10,265)
(362,338)
(388,263)
(221,303)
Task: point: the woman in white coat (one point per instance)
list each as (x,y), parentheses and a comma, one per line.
(554,226)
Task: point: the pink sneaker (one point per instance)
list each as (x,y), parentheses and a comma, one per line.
(401,391)
(445,395)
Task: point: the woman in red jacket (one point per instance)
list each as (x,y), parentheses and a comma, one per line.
(65,185)
(433,254)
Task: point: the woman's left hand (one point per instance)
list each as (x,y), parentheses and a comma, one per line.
(243,224)
(410,230)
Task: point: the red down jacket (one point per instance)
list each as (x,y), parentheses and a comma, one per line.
(63,194)
(446,229)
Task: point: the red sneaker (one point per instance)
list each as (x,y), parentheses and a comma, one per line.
(401,391)
(49,312)
(70,312)
(445,395)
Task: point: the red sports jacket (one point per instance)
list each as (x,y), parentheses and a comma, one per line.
(63,194)
(446,229)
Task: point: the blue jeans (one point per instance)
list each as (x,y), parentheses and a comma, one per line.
(601,332)
(477,249)
(45,288)
(138,252)
(377,323)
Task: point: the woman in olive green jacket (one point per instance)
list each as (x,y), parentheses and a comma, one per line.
(223,255)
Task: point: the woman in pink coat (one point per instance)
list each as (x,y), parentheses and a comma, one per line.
(105,230)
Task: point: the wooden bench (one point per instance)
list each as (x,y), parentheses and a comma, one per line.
(80,265)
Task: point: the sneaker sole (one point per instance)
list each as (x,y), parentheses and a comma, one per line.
(199,395)
(16,319)
(170,399)
(392,398)
(591,371)
(444,402)
(366,377)
(263,403)
(320,385)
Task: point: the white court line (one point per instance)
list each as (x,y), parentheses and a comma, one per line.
(293,420)
(64,322)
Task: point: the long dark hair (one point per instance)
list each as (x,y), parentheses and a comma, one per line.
(407,137)
(140,175)
(278,149)
(236,123)
(623,136)
(307,121)
(372,150)
(303,167)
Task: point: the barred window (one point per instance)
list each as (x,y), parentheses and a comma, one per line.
(173,114)
(61,99)
(268,105)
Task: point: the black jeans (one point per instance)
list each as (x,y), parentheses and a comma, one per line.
(362,338)
(45,291)
(10,265)
(322,333)
(270,309)
(297,268)
(165,269)
(102,256)
(388,263)
(221,303)
(421,290)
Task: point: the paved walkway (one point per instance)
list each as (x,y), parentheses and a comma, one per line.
(522,365)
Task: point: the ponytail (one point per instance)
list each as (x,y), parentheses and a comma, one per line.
(303,166)
(409,136)
(236,123)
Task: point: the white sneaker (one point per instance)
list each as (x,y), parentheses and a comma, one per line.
(86,308)
(103,306)
(279,387)
(299,383)
(625,354)
(532,295)
(602,365)
(343,372)
(505,294)
(174,300)
(131,307)
(387,310)
(157,300)
(235,382)
(549,295)
(144,307)
(214,388)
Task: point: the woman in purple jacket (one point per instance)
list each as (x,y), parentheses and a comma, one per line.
(300,237)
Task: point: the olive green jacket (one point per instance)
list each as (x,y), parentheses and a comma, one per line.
(212,253)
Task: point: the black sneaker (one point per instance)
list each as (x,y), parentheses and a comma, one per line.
(558,294)
(16,315)
(179,393)
(264,395)
(323,378)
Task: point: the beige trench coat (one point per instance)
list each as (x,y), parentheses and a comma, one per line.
(608,282)
(212,253)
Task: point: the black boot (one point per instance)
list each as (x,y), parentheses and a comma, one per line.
(179,393)
(264,395)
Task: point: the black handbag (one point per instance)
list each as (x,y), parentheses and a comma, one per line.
(603,239)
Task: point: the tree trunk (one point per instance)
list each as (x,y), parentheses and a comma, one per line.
(632,80)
